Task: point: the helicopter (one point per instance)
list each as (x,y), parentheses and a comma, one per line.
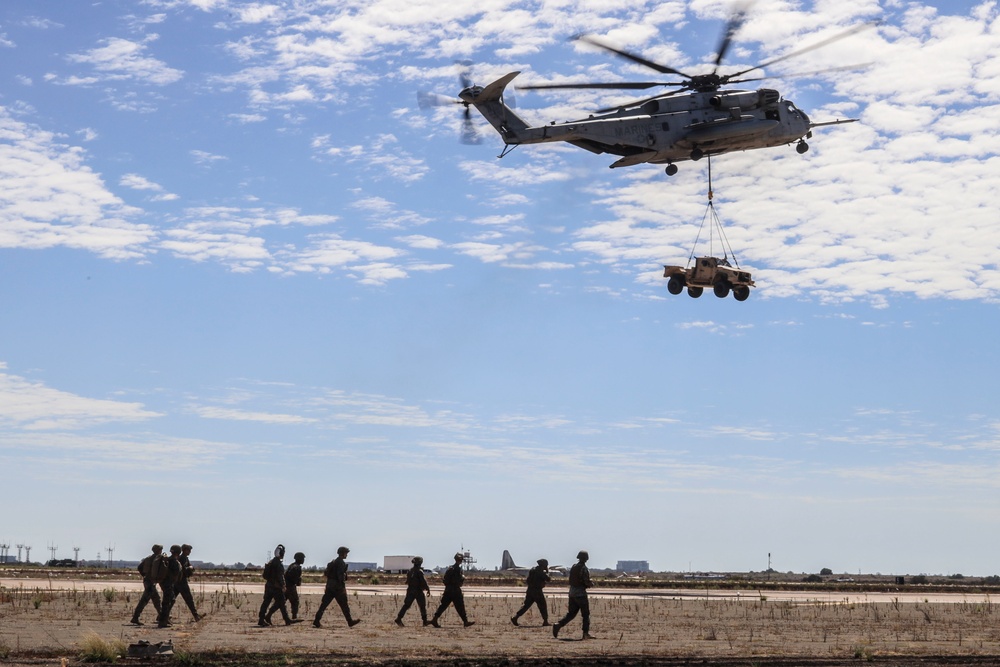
(700,117)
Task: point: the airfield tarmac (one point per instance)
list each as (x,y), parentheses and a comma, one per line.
(43,621)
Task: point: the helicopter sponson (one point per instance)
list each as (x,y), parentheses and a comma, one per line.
(659,131)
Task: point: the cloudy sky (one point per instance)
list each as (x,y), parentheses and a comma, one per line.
(251,293)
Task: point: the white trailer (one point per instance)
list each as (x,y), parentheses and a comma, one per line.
(397,563)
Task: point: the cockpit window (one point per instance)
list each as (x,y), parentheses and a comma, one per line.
(790,108)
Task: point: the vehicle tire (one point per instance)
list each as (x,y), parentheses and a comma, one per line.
(695,292)
(721,288)
(675,285)
(741,293)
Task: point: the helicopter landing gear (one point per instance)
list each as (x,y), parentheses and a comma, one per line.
(671,169)
(801,147)
(697,154)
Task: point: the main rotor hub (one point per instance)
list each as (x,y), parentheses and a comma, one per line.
(705,83)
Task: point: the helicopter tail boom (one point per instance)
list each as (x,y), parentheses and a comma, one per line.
(489,101)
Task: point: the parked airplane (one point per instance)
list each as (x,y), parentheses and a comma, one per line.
(507,565)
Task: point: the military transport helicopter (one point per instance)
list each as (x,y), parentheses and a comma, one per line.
(696,119)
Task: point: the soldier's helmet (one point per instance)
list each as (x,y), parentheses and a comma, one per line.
(343,551)
(417,560)
(175,548)
(279,551)
(299,557)
(157,548)
(583,555)
(459,557)
(544,563)
(186,547)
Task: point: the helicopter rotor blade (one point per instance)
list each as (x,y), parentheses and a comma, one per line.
(733,26)
(799,75)
(636,103)
(662,69)
(426,100)
(469,133)
(812,47)
(464,76)
(624,85)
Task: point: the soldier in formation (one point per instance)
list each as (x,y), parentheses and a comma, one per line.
(336,589)
(579,582)
(274,590)
(538,576)
(416,586)
(453,580)
(151,568)
(168,586)
(183,588)
(293,579)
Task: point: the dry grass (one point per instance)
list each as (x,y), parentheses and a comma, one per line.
(94,648)
(627,627)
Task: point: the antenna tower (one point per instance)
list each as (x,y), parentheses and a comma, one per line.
(76,556)
(4,548)
(19,547)
(27,553)
(111,556)
(52,550)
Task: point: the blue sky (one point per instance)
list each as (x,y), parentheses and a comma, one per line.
(252,294)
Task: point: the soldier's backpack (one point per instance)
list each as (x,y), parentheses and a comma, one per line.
(144,566)
(158,569)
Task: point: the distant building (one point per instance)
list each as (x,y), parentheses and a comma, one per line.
(360,567)
(633,566)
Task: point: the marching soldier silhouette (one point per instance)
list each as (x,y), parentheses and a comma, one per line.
(416,586)
(579,582)
(174,573)
(183,588)
(274,590)
(538,576)
(152,569)
(293,579)
(336,589)
(453,580)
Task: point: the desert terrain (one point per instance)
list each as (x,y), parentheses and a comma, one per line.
(46,621)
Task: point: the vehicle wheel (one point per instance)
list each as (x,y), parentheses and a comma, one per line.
(741,293)
(695,292)
(802,147)
(721,289)
(671,169)
(675,285)
(697,154)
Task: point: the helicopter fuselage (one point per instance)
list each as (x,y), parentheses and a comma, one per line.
(663,130)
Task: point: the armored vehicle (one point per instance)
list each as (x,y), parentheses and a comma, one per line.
(714,272)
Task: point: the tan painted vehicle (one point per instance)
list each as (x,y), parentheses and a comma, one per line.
(714,272)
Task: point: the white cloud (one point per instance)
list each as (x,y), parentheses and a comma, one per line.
(32,406)
(122,59)
(51,198)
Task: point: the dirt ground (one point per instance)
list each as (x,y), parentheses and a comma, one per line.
(40,624)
